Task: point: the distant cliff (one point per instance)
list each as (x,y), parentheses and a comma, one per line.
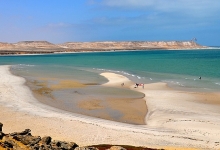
(30,47)
(137,45)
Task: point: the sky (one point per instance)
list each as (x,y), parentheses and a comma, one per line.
(59,21)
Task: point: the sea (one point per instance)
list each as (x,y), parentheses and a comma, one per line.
(179,68)
(186,70)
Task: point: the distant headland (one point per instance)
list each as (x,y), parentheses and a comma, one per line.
(38,47)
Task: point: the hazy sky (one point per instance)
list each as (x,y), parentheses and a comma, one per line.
(59,21)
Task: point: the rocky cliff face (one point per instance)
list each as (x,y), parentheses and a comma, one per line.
(130,45)
(46,47)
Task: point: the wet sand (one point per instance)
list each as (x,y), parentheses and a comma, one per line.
(124,109)
(175,119)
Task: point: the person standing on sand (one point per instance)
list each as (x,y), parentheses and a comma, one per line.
(143,85)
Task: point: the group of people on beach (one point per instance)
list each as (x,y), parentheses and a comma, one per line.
(139,84)
(136,85)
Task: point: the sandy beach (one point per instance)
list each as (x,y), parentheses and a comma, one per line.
(175,119)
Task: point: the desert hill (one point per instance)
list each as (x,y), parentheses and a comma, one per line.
(30,47)
(136,45)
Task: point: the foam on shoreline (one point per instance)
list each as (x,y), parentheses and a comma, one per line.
(176,119)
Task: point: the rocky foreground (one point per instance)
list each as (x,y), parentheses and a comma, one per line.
(33,47)
(25,141)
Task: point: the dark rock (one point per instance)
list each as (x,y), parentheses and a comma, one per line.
(18,137)
(26,138)
(34,147)
(63,145)
(1,125)
(68,146)
(1,135)
(86,148)
(7,144)
(56,143)
(72,145)
(25,132)
(46,147)
(30,140)
(46,140)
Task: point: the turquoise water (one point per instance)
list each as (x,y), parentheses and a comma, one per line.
(180,69)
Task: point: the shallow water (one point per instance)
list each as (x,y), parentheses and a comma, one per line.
(180,69)
(79,91)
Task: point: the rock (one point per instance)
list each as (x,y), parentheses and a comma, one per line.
(86,148)
(25,132)
(6,144)
(72,146)
(56,143)
(1,125)
(116,148)
(68,146)
(46,140)
(30,140)
(34,147)
(1,135)
(63,145)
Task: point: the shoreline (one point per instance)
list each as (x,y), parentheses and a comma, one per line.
(99,51)
(47,47)
(175,119)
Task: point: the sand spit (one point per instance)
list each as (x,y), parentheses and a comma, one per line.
(174,119)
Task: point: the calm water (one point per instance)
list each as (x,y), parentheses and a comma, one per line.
(181,69)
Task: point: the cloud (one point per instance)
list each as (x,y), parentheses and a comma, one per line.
(197,8)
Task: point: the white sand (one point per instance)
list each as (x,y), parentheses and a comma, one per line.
(115,79)
(175,119)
